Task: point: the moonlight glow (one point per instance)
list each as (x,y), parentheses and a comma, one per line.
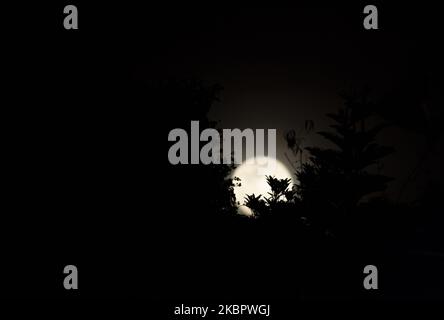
(253,179)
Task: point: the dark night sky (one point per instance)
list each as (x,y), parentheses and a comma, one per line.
(85,154)
(283,65)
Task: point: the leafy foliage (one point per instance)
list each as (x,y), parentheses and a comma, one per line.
(333,182)
(281,195)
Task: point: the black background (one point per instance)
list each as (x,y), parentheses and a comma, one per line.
(88,179)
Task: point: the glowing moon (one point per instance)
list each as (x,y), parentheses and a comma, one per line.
(253,179)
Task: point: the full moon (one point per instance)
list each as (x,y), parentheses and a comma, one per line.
(253,179)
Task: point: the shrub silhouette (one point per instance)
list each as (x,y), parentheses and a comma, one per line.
(280,197)
(333,182)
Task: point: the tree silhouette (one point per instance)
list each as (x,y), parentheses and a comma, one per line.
(183,101)
(335,180)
